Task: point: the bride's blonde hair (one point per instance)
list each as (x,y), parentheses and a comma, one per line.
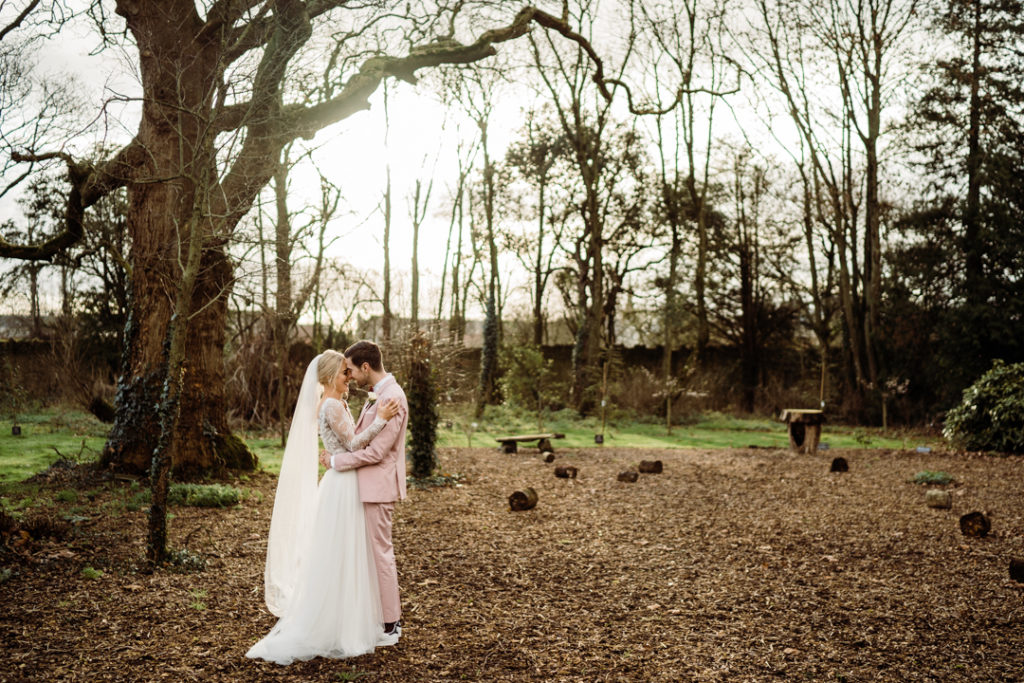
(328,366)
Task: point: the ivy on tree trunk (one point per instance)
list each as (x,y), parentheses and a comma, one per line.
(422,396)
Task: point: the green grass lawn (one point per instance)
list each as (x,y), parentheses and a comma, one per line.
(46,436)
(712,430)
(54,432)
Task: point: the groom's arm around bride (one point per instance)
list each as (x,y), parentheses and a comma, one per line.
(384,452)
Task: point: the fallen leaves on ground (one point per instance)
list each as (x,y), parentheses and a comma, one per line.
(730,565)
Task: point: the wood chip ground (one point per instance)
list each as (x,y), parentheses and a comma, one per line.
(732,565)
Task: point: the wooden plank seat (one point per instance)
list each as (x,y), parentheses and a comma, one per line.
(509,443)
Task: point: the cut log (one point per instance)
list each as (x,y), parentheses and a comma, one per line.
(839,465)
(650,466)
(975,525)
(545,446)
(938,498)
(566,472)
(549,456)
(629,476)
(522,500)
(509,447)
(1017,569)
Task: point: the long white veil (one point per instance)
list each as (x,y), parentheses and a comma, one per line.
(295,500)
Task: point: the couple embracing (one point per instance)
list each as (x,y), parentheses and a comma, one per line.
(330,574)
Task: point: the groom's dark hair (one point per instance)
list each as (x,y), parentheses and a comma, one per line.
(365,351)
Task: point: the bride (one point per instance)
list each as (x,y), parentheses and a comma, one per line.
(320,578)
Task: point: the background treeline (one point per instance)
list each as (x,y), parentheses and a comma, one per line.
(805,200)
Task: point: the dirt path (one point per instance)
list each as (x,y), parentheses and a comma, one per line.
(729,566)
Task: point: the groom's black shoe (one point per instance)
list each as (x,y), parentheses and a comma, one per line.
(392,632)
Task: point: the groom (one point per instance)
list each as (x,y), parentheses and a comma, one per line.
(381,470)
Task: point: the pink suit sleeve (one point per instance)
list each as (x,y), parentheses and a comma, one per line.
(378,447)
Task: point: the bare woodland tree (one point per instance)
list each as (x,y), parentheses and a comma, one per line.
(860,43)
(532,159)
(215,117)
(687,57)
(453,251)
(35,111)
(585,120)
(418,205)
(752,245)
(476,89)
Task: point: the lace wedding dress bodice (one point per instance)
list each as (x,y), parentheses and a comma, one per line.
(337,429)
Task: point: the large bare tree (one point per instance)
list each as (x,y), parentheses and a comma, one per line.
(214,118)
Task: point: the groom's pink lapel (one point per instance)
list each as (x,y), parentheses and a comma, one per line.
(362,413)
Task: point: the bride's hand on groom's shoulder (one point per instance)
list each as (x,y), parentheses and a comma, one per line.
(388,409)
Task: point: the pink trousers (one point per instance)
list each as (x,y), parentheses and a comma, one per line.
(378,528)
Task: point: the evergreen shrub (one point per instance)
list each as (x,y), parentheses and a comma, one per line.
(527,381)
(990,416)
(421,392)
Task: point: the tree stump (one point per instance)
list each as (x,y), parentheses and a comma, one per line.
(839,465)
(629,476)
(545,446)
(549,456)
(522,500)
(804,428)
(650,466)
(975,525)
(509,447)
(1017,569)
(938,498)
(566,472)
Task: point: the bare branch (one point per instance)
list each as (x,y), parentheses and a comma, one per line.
(89,183)
(17,21)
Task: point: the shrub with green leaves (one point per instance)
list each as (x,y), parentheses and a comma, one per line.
(990,416)
(204,495)
(190,495)
(932,477)
(67,496)
(185,562)
(527,379)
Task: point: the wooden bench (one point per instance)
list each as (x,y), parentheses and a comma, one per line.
(804,428)
(509,443)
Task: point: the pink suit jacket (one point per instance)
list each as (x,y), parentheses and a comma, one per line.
(381,465)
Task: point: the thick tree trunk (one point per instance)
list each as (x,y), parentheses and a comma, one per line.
(179,71)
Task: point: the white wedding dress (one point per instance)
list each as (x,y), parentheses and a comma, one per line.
(332,607)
